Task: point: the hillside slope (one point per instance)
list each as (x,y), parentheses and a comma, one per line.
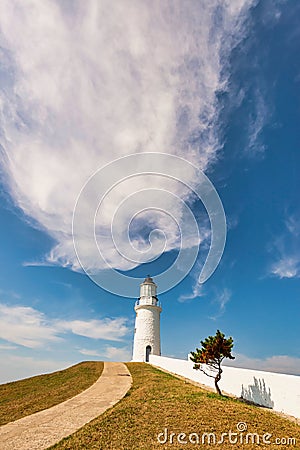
(21,398)
(158,402)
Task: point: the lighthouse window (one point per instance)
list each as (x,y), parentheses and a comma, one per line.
(147,291)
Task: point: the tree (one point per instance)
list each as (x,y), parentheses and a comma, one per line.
(214,350)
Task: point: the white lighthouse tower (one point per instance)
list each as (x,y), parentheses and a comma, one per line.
(147,322)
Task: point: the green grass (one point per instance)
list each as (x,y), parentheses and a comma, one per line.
(158,400)
(24,397)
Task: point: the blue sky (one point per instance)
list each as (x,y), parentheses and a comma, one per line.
(84,84)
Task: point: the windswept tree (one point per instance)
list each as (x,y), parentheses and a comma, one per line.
(214,350)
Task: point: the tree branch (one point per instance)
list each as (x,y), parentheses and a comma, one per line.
(211,376)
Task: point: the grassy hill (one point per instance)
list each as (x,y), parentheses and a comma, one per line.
(157,404)
(159,401)
(21,398)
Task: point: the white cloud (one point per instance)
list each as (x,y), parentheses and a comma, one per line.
(26,326)
(293,225)
(30,328)
(286,249)
(276,363)
(232,222)
(256,124)
(109,353)
(87,352)
(286,267)
(197,291)
(109,329)
(117,354)
(85,83)
(221,298)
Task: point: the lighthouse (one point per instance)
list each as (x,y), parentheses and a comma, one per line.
(147,322)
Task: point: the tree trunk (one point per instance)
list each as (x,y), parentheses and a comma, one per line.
(217,379)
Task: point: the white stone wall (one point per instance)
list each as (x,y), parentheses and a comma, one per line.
(147,331)
(279,391)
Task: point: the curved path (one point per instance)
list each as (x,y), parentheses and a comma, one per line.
(45,428)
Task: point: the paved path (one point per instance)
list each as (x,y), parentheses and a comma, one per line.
(43,429)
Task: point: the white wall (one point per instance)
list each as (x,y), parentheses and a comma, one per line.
(279,391)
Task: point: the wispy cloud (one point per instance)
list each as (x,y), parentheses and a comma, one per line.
(221,298)
(197,289)
(118,354)
(30,328)
(26,326)
(257,122)
(108,329)
(293,225)
(85,83)
(232,222)
(286,248)
(109,352)
(197,292)
(276,363)
(87,352)
(286,267)
(262,106)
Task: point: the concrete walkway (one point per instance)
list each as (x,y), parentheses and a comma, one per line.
(45,428)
